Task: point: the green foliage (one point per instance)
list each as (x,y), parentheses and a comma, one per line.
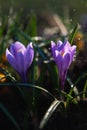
(9,115)
(71,38)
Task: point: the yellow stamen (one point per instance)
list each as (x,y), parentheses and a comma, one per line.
(62,53)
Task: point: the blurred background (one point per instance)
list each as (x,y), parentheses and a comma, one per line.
(73,10)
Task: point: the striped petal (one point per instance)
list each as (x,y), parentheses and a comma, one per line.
(11,59)
(28,56)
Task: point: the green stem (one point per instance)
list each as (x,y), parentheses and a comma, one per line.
(84,90)
(28,85)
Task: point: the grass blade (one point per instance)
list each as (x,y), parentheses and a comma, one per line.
(28,85)
(50,112)
(81,77)
(8,114)
(85,88)
(73,34)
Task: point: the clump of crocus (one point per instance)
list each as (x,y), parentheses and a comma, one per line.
(63,54)
(20,58)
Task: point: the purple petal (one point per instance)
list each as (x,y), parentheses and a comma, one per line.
(59,62)
(65,66)
(72,52)
(73,49)
(57,46)
(16,47)
(59,43)
(11,60)
(53,48)
(20,62)
(66,47)
(28,56)
(53,44)
(66,61)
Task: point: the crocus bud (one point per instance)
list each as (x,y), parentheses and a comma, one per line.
(20,58)
(63,54)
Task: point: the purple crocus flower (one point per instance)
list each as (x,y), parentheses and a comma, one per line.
(63,54)
(20,58)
